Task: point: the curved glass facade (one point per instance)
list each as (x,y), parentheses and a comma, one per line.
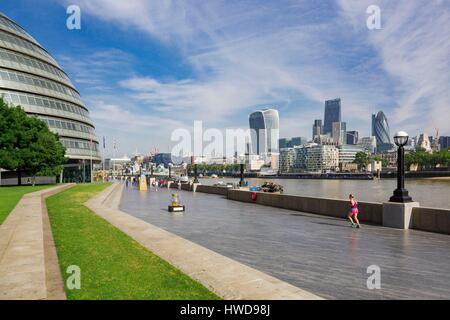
(380,129)
(31,78)
(264,126)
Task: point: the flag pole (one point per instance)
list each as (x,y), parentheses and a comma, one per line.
(103,156)
(114,161)
(92,168)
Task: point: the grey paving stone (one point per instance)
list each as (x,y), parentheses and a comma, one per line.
(319,254)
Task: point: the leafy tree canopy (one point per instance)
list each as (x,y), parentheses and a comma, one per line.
(27,144)
(362,159)
(427,159)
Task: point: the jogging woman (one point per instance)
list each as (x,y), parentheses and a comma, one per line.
(353,213)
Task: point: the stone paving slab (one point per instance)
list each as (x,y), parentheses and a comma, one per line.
(54,279)
(25,248)
(224,276)
(320,254)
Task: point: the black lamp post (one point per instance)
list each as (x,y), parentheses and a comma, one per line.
(195,174)
(170,170)
(401,194)
(241,182)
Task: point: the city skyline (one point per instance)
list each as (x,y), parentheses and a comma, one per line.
(198,67)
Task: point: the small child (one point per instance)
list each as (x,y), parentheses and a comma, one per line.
(353,213)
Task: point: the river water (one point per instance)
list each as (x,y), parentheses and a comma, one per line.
(429,192)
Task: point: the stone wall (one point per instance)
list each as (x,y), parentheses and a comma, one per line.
(430,219)
(184,186)
(27,181)
(370,212)
(212,189)
(425,219)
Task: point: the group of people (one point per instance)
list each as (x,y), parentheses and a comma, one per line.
(134,181)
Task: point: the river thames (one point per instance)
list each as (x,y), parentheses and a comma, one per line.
(434,193)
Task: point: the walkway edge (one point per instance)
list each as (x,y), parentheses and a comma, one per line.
(29,268)
(226,277)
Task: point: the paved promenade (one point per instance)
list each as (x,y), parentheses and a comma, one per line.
(28,262)
(226,277)
(319,254)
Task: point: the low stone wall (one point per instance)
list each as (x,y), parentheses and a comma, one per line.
(212,189)
(184,186)
(425,219)
(370,212)
(27,181)
(430,219)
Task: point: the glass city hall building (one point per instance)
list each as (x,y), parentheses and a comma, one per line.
(31,78)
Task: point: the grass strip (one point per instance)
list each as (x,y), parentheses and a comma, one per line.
(10,196)
(113,265)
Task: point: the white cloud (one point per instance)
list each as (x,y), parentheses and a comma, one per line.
(414,48)
(130,127)
(296,54)
(92,69)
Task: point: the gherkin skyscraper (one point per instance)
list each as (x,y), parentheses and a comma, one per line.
(30,77)
(381,131)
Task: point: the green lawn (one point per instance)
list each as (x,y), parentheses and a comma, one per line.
(113,265)
(10,196)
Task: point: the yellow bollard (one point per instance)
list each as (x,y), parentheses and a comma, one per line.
(142,183)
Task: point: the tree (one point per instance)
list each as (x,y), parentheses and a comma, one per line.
(384,162)
(362,159)
(27,144)
(214,168)
(377,158)
(425,159)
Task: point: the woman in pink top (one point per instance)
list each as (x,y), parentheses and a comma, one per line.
(353,213)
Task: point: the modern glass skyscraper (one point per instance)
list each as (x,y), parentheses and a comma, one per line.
(352,137)
(163,158)
(339,132)
(381,131)
(290,143)
(265,127)
(444,142)
(283,143)
(332,114)
(317,129)
(31,78)
(369,144)
(380,128)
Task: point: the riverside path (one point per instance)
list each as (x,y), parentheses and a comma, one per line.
(320,254)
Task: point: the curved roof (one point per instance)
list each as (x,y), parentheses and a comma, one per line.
(31,77)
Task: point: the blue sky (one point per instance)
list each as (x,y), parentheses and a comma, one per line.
(145,68)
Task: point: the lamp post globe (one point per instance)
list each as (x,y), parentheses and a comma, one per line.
(401,138)
(401,194)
